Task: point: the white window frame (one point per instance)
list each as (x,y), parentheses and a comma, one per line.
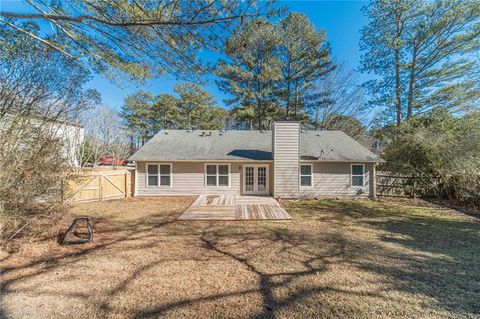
(351,174)
(217,175)
(159,174)
(311,175)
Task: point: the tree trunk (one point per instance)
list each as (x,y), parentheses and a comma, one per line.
(411,82)
(296,101)
(260,115)
(398,98)
(398,92)
(289,81)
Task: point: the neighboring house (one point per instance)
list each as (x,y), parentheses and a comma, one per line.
(71,134)
(285,162)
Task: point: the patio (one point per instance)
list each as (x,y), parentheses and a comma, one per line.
(234,207)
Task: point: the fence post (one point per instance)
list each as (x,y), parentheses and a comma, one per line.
(101,186)
(126,184)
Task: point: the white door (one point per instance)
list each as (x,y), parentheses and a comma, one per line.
(255,179)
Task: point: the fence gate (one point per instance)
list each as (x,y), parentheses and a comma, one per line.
(99,186)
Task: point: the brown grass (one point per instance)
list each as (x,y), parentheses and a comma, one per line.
(350,259)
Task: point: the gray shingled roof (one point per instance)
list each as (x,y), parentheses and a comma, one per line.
(171,145)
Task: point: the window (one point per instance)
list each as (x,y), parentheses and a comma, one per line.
(165,174)
(357,174)
(211,175)
(217,175)
(152,178)
(159,174)
(222,175)
(306,175)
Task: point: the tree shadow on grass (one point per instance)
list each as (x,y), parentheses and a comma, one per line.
(438,251)
(227,244)
(413,252)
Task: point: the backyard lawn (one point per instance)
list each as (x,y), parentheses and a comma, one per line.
(350,259)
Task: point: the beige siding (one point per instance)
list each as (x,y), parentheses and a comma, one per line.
(334,180)
(189,178)
(286,154)
(329,180)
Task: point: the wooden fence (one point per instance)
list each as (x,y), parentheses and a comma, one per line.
(392,185)
(101,185)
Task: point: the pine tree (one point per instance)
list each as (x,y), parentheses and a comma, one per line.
(140,39)
(251,73)
(197,108)
(137,116)
(165,113)
(271,70)
(423,53)
(305,57)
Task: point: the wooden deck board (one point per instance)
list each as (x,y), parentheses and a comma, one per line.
(231,207)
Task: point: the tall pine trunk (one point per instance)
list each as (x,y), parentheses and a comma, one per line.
(296,101)
(398,98)
(289,84)
(411,82)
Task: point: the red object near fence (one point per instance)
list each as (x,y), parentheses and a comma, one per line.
(113,161)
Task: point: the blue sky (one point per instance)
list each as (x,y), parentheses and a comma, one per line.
(342,21)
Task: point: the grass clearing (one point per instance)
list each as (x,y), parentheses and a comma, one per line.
(337,258)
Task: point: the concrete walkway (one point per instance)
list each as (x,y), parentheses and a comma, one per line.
(234,207)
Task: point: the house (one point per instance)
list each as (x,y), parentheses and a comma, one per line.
(285,162)
(70,134)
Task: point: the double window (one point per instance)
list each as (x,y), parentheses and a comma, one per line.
(159,175)
(357,175)
(217,175)
(306,175)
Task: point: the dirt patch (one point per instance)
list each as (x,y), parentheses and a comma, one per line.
(358,259)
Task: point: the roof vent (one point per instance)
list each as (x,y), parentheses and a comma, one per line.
(189,131)
(262,131)
(166,132)
(304,131)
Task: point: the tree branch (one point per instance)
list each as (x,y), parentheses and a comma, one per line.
(53,46)
(149,22)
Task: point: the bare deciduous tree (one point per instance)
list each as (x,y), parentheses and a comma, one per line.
(40,95)
(104,136)
(339,96)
